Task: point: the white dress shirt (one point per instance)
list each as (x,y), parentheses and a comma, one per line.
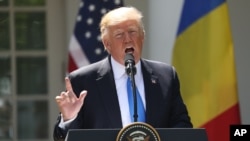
(121,77)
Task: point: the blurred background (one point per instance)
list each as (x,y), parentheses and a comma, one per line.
(34,40)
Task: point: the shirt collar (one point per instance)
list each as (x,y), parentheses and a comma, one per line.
(119,70)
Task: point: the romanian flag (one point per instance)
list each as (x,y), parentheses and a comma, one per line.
(203,56)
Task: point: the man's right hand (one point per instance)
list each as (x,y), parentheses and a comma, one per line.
(69,104)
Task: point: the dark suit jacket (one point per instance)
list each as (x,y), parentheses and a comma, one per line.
(164,105)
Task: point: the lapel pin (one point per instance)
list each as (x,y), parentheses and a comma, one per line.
(153,81)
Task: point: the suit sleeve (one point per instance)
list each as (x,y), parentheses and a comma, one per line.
(179,112)
(59,134)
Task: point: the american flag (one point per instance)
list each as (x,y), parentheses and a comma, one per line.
(85,45)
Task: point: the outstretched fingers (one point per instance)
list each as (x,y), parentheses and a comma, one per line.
(69,104)
(68,97)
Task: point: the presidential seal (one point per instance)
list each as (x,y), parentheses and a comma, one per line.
(138,131)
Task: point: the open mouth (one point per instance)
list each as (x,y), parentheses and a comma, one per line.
(129,50)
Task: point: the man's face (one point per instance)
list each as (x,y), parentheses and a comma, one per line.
(124,37)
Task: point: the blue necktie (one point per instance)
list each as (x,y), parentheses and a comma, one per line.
(140,107)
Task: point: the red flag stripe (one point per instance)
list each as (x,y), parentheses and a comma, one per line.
(71,64)
(218,128)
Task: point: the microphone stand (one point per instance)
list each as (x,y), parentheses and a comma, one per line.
(131,71)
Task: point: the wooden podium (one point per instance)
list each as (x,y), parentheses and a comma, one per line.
(166,134)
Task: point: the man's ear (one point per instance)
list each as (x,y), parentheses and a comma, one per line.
(106,44)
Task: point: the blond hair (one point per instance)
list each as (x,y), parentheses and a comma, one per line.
(119,15)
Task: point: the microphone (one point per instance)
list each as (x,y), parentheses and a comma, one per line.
(131,71)
(130,64)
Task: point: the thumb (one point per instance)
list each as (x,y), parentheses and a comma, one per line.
(82,95)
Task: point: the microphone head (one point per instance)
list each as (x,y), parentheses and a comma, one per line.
(130,64)
(129,58)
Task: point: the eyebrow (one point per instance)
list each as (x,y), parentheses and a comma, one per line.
(129,28)
(117,31)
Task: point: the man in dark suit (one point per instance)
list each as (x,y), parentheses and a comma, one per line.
(96,95)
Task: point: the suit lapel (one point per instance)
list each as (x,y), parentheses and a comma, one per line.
(108,93)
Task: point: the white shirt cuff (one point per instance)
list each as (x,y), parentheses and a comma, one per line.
(65,124)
